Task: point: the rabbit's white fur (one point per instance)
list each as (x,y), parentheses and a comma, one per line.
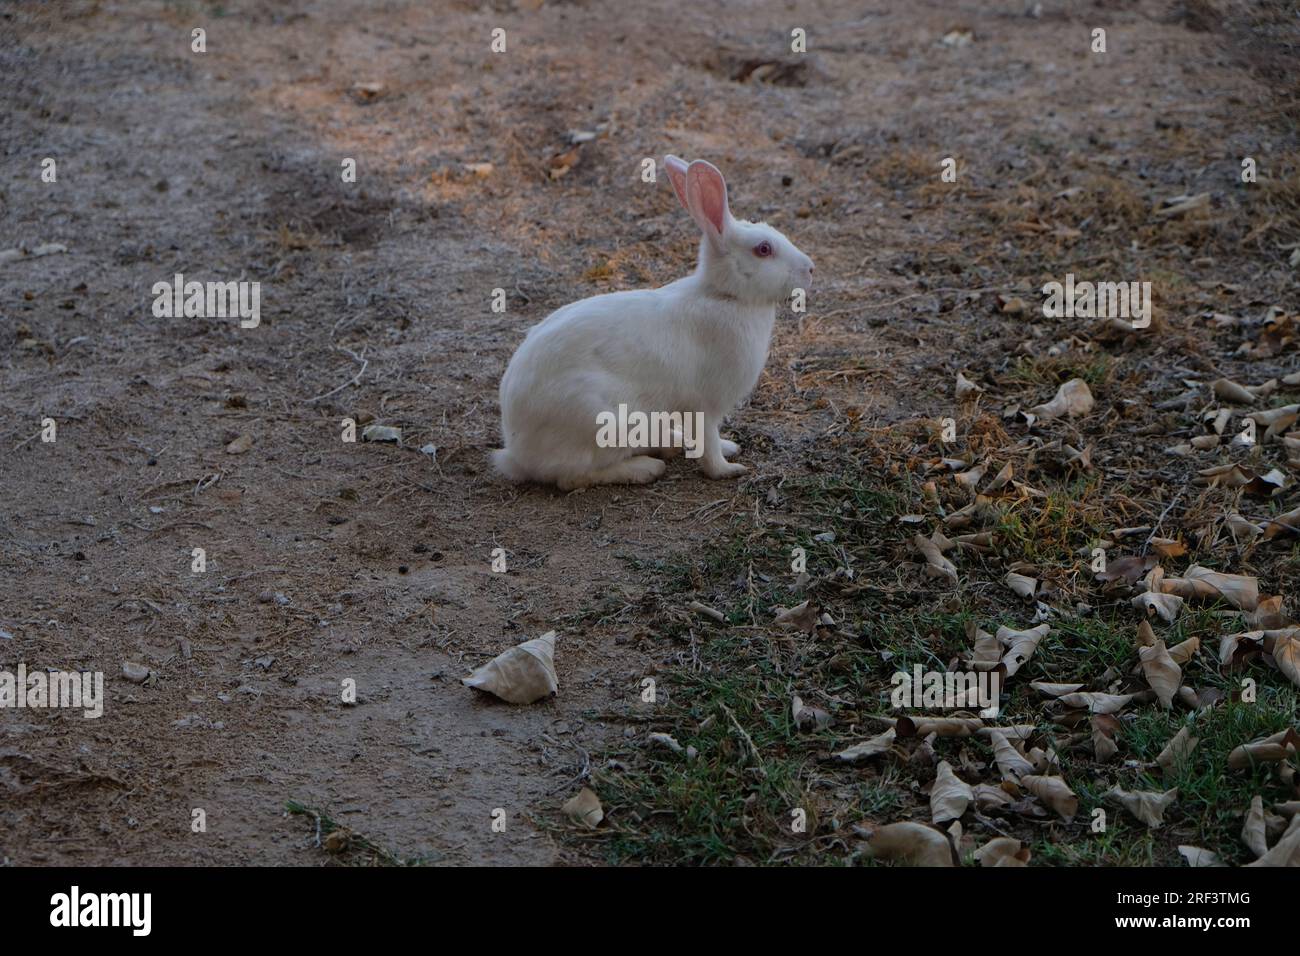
(694,345)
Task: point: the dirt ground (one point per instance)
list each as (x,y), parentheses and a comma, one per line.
(329,561)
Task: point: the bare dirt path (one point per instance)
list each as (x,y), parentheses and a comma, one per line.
(329,561)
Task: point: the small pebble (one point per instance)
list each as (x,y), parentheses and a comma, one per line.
(135,673)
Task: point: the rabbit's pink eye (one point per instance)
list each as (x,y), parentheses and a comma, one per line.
(763,249)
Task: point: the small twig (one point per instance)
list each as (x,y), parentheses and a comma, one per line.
(354,380)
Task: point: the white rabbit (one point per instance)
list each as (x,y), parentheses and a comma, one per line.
(696,345)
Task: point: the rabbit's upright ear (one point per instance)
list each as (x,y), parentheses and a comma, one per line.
(706,198)
(676,170)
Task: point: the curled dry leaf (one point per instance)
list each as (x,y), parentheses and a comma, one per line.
(913,844)
(936,564)
(584,808)
(1288,523)
(803,617)
(1239,590)
(1021,584)
(1183,652)
(970,480)
(521,675)
(1241,529)
(1020,645)
(1002,480)
(1286,852)
(1054,690)
(1128,569)
(966,388)
(1161,672)
(1253,831)
(1072,399)
(1011,763)
(1002,851)
(868,748)
(1230,391)
(1104,728)
(989,797)
(1168,547)
(1280,746)
(949,796)
(1285,649)
(987,651)
(1054,792)
(1269,614)
(943,726)
(1096,702)
(1020,732)
(709,612)
(1236,649)
(1165,606)
(1177,751)
(1237,476)
(1146,805)
(1195,856)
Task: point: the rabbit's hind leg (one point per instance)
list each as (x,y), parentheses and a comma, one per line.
(637,470)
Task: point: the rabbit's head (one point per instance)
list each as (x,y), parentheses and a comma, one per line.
(749,261)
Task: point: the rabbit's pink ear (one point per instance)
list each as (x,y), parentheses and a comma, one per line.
(676,170)
(706,198)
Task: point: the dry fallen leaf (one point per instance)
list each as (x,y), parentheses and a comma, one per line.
(1165,606)
(1183,652)
(803,617)
(1253,832)
(943,726)
(1269,614)
(869,748)
(1072,399)
(913,844)
(584,808)
(1128,569)
(966,388)
(1239,590)
(1097,702)
(1011,763)
(1147,806)
(1054,792)
(1195,856)
(521,675)
(989,797)
(949,796)
(1177,751)
(1002,851)
(1161,672)
(1280,746)
(1023,586)
(1020,645)
(937,565)
(1286,852)
(987,650)
(1104,728)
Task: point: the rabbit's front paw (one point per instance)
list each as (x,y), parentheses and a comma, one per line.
(730,449)
(726,469)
